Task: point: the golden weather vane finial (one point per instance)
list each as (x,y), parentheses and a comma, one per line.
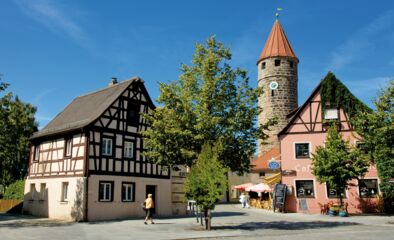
(277,12)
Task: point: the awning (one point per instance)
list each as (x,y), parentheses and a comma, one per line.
(242,187)
(261,187)
(273,179)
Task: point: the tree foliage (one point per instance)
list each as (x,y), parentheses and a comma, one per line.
(210,102)
(377,129)
(16,126)
(15,190)
(207,181)
(335,94)
(337,162)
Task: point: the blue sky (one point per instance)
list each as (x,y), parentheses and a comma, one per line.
(53,51)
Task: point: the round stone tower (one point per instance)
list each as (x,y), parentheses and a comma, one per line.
(277,74)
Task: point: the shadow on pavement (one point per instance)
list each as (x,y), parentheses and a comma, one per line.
(19,220)
(284,225)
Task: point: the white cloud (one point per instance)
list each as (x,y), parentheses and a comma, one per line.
(54,17)
(362,42)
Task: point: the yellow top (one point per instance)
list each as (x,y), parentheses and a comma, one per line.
(149,203)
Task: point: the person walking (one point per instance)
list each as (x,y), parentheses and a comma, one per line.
(149,206)
(242,199)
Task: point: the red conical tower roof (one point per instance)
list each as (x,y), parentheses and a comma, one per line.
(277,44)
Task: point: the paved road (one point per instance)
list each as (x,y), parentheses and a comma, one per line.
(230,221)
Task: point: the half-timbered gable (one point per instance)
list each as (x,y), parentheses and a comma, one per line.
(310,118)
(116,144)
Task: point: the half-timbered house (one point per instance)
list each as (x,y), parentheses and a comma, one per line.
(86,164)
(306,130)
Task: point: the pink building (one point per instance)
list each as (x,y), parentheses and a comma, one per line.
(298,140)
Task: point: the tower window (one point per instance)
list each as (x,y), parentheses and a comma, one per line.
(277,62)
(263,65)
(291,64)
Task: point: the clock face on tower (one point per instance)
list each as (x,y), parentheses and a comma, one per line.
(274,85)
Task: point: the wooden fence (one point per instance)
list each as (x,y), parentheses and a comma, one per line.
(8,204)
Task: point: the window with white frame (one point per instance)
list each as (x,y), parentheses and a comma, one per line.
(128,193)
(68,147)
(128,149)
(106,147)
(64,196)
(305,189)
(302,150)
(36,153)
(105,191)
(331,114)
(42,191)
(368,188)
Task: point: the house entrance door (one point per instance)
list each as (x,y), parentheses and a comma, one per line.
(151,189)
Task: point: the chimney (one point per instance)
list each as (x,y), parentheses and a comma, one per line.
(114,81)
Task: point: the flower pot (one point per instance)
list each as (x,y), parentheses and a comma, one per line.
(343,214)
(332,213)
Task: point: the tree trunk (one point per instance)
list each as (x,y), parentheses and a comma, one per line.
(206,218)
(209,220)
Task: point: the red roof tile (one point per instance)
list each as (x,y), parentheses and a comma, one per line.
(277,44)
(261,162)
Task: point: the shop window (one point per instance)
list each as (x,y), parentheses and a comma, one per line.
(128,192)
(305,189)
(277,62)
(333,193)
(106,147)
(106,191)
(302,150)
(368,188)
(64,196)
(128,151)
(68,147)
(133,114)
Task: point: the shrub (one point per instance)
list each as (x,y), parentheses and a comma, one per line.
(15,190)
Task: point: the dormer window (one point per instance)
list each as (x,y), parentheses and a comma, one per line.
(331,114)
(263,65)
(277,62)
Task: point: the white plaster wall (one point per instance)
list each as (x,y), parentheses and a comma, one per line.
(49,204)
(118,209)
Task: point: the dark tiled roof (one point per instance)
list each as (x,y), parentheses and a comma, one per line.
(84,109)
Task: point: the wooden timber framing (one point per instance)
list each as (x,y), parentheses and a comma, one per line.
(86,156)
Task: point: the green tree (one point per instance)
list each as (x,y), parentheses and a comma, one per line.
(210,102)
(15,190)
(337,162)
(17,124)
(207,181)
(377,128)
